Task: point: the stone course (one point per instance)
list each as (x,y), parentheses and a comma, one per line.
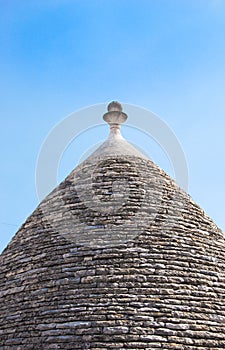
(116,257)
(136,269)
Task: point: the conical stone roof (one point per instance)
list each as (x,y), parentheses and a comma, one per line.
(116,257)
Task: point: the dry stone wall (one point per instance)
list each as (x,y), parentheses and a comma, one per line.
(141,268)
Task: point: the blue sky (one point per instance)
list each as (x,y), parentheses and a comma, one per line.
(58,56)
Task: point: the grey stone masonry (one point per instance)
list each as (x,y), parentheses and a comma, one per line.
(116,257)
(99,265)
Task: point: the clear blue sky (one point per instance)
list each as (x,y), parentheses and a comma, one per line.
(57,56)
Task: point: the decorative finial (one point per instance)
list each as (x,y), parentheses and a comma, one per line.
(115,115)
(115,106)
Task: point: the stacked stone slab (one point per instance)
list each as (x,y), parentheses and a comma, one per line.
(116,257)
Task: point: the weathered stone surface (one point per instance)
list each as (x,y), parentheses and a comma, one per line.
(145,270)
(165,288)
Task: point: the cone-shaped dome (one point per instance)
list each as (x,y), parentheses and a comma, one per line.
(116,257)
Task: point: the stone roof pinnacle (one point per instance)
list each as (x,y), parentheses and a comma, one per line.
(115,115)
